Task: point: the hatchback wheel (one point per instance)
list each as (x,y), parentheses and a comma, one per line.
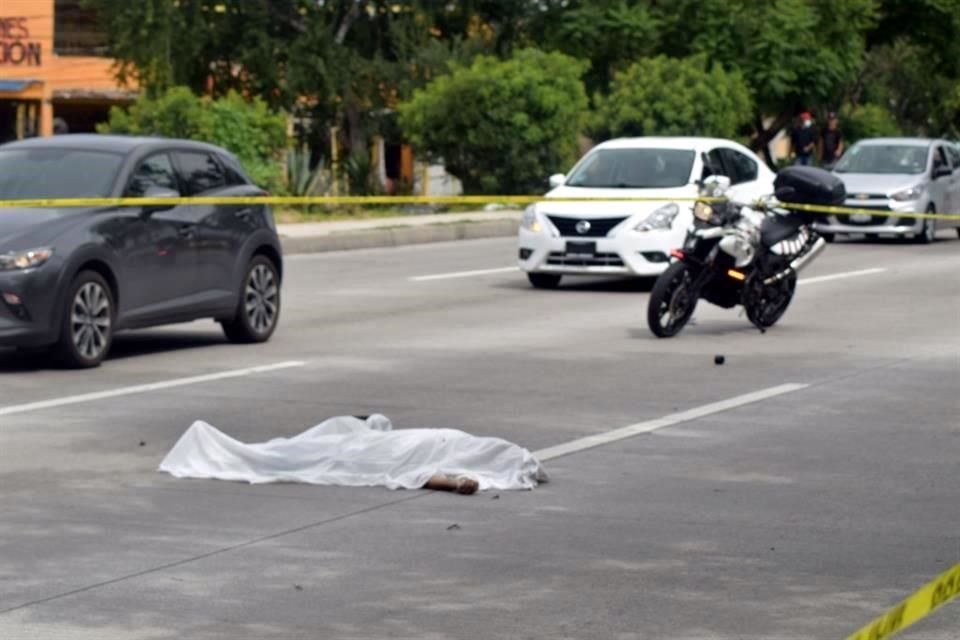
(86,332)
(259,308)
(928,232)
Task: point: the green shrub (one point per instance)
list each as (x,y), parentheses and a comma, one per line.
(673,97)
(868,121)
(501,125)
(256,135)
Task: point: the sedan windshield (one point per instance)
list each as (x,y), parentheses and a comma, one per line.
(885,159)
(634,169)
(57,173)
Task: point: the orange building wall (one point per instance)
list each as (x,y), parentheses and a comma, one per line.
(54,73)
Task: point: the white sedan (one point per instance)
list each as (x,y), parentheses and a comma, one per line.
(629,238)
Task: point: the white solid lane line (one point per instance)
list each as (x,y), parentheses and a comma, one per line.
(841,276)
(667,421)
(143,388)
(486,272)
(464,274)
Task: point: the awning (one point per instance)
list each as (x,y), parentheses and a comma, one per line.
(95,95)
(15,86)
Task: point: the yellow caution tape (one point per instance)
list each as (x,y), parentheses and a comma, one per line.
(885,213)
(316,200)
(917,606)
(299,201)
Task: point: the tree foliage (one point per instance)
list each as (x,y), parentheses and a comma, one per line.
(501,125)
(795,55)
(342,67)
(869,121)
(610,34)
(667,96)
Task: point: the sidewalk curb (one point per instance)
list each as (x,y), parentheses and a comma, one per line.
(400,236)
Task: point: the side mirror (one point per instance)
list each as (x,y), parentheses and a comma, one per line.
(942,172)
(159,193)
(723,182)
(556,180)
(716,185)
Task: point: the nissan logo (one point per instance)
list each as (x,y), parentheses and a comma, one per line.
(583,227)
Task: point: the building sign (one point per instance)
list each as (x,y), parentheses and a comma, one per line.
(16,49)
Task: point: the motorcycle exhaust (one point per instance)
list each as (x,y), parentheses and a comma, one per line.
(799,263)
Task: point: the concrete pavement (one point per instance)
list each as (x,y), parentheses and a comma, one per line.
(799,516)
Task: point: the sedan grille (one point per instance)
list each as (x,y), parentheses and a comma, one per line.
(596,227)
(870,196)
(560,259)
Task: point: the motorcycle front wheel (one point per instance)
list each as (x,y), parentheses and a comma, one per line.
(672,301)
(766,304)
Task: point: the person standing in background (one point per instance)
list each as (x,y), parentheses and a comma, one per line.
(831,142)
(803,140)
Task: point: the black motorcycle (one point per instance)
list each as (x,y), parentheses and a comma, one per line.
(749,255)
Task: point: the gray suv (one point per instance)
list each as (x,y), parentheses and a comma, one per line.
(71,277)
(897,175)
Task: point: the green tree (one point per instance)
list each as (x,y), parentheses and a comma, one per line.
(210,46)
(794,54)
(611,34)
(666,96)
(336,63)
(913,66)
(250,130)
(501,126)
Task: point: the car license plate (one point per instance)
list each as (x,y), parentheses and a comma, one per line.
(860,218)
(582,249)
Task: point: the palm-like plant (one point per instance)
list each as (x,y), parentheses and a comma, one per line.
(304,180)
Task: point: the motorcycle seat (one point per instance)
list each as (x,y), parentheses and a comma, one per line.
(776,229)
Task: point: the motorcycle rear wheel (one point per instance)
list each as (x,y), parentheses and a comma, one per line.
(766,304)
(672,301)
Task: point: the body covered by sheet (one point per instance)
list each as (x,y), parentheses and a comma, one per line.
(348,451)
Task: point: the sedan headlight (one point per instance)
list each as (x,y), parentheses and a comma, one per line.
(662,218)
(24,259)
(530,220)
(913,193)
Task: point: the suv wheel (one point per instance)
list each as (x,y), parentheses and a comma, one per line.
(86,332)
(259,307)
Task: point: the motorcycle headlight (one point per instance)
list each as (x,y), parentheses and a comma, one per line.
(17,260)
(662,218)
(913,193)
(530,221)
(703,211)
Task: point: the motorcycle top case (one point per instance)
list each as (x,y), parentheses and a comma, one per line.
(809,185)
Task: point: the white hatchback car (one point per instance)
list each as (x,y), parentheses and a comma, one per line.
(622,237)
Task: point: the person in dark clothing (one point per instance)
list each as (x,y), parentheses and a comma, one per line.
(803,140)
(831,142)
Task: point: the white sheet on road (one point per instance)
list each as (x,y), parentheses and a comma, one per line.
(348,451)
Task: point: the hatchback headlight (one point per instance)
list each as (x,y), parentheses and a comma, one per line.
(913,193)
(662,218)
(530,220)
(24,259)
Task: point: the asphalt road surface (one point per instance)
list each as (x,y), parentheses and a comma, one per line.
(799,515)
